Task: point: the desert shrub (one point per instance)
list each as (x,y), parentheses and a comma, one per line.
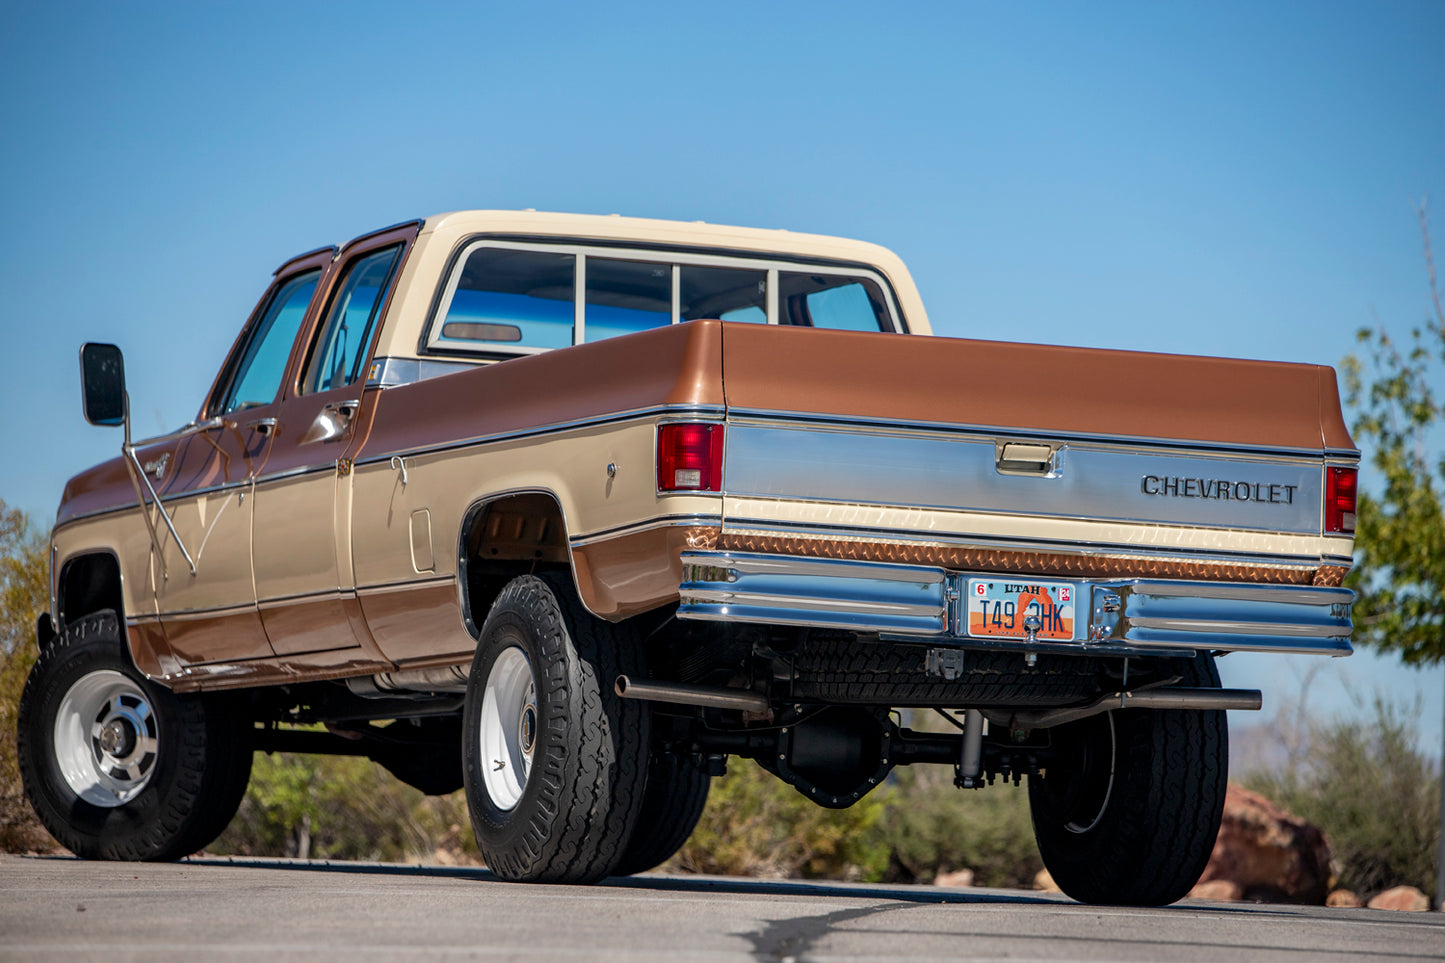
(1367,785)
(334,807)
(932,827)
(24,594)
(916,826)
(757,825)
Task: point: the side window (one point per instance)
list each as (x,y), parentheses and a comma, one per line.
(341,349)
(509,297)
(732,294)
(257,377)
(839,303)
(626,296)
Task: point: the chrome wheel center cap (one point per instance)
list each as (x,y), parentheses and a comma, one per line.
(112,737)
(527,729)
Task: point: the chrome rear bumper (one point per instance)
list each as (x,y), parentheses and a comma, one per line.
(917,603)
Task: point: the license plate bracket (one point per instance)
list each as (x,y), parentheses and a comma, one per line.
(998,606)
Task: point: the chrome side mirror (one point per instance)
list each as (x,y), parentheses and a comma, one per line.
(102,384)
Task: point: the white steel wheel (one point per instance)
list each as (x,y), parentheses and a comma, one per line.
(508,728)
(553,760)
(107,738)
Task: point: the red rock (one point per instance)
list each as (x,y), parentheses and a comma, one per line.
(1344,898)
(1226,889)
(1406,898)
(1268,852)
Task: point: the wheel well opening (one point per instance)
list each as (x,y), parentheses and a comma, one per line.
(89,584)
(511,536)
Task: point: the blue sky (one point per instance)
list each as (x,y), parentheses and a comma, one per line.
(1221,178)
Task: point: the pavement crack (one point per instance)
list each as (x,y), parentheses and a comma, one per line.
(787,940)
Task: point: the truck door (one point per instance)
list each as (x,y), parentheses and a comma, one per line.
(305,587)
(211,615)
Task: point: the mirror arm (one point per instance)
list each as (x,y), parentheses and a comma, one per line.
(135,470)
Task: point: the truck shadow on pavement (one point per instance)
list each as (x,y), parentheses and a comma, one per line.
(898,892)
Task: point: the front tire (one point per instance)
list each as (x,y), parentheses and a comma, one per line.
(117,767)
(554,761)
(1129,812)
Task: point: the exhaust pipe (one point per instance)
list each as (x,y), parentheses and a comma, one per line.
(691,695)
(1179,697)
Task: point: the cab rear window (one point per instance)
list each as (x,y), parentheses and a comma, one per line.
(507,298)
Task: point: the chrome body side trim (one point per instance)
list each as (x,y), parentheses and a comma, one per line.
(705,412)
(390,587)
(1085,482)
(620,417)
(922,604)
(394,372)
(670,521)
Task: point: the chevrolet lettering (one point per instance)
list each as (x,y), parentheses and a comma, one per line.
(1218,488)
(572,513)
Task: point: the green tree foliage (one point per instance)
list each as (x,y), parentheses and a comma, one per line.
(334,807)
(929,826)
(1375,795)
(24,594)
(1400,538)
(757,825)
(910,830)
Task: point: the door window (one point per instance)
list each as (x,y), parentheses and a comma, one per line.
(258,376)
(341,350)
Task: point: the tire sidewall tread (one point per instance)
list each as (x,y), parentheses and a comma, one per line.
(200,773)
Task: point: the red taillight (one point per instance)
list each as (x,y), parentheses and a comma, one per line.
(1341,485)
(689,458)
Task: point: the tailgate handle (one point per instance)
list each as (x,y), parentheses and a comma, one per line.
(1018,458)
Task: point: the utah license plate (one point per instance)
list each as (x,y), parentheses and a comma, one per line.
(997,608)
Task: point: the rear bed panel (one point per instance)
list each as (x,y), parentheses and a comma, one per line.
(1071,392)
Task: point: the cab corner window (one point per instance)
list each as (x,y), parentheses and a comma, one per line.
(508,298)
(256,378)
(837,302)
(350,322)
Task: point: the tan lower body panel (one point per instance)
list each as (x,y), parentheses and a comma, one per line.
(210,663)
(421,623)
(308,667)
(232,636)
(309,625)
(630,574)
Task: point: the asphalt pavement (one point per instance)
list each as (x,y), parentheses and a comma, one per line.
(54,908)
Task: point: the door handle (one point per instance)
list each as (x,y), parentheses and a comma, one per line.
(331,422)
(265,426)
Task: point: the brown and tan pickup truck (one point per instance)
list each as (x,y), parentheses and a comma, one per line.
(567,510)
